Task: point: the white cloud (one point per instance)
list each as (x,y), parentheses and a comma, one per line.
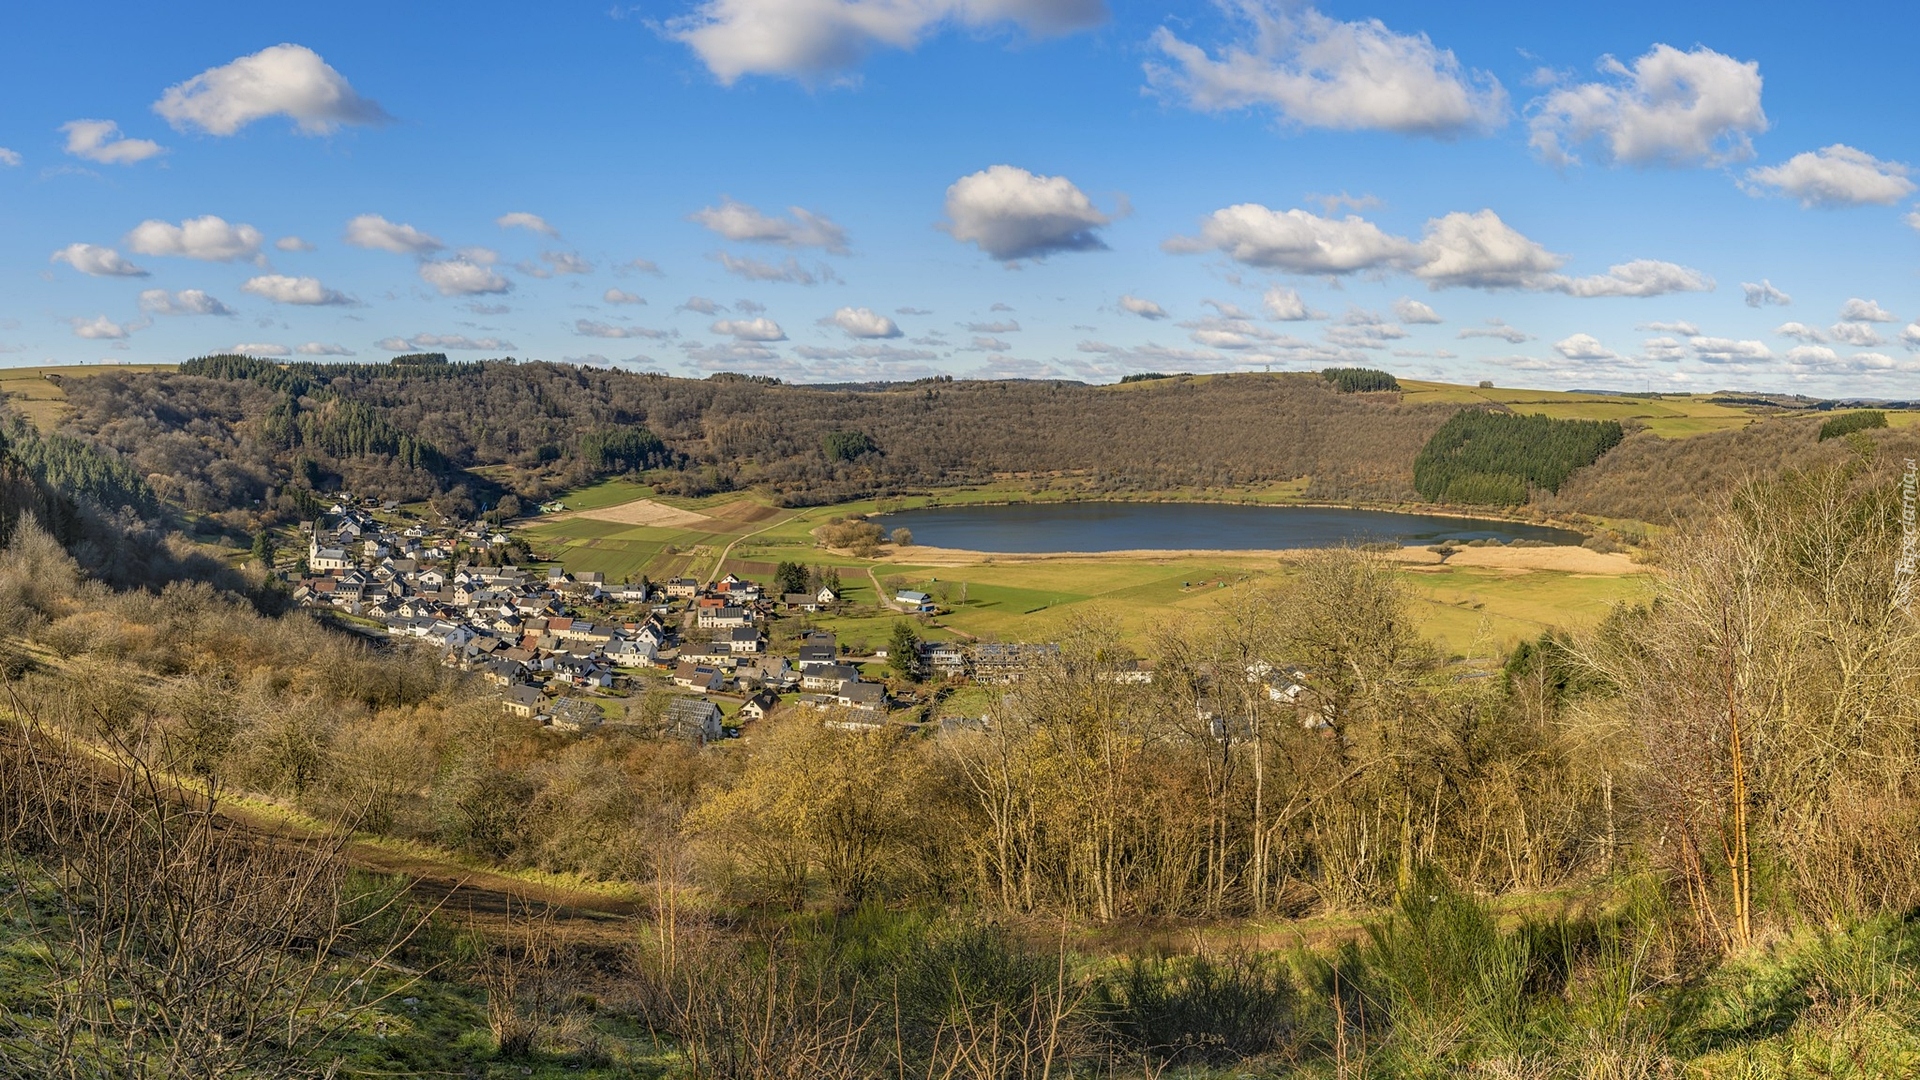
(741,223)
(1858,310)
(1286,305)
(1480,251)
(912,311)
(1800,332)
(1641,277)
(702,305)
(1012,214)
(321,348)
(862,323)
(97,261)
(283,80)
(621,296)
(1227,309)
(99,140)
(1764,294)
(1859,335)
(10,158)
(1584,347)
(1496,328)
(589,328)
(997,326)
(556,264)
(749,307)
(1718,350)
(1837,175)
(210,238)
(790,272)
(1677,326)
(1364,330)
(1408,310)
(1295,240)
(464,275)
(1912,220)
(100,328)
(292,243)
(520,219)
(305,291)
(443,341)
(1910,337)
(991,344)
(1146,309)
(750,329)
(261,349)
(1669,108)
(1664,350)
(184,302)
(1323,73)
(377,233)
(639,266)
(814,39)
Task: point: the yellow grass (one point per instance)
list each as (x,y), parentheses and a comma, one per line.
(40,398)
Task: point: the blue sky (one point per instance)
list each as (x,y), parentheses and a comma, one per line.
(1689,196)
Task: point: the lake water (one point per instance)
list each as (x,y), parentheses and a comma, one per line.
(1114,526)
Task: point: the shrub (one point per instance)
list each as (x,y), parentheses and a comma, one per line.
(1355,380)
(1848,423)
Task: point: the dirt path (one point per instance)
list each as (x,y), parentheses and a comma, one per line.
(721,563)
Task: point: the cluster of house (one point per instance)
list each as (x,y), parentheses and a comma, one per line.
(535,635)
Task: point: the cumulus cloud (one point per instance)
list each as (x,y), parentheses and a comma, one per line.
(1764,294)
(1664,350)
(1296,241)
(761,329)
(701,305)
(621,296)
(749,307)
(1718,350)
(1836,175)
(997,326)
(1641,277)
(1858,310)
(9,158)
(1910,337)
(1496,328)
(991,344)
(419,342)
(639,266)
(812,40)
(1677,326)
(1669,108)
(321,348)
(184,302)
(282,80)
(467,274)
(96,261)
(1319,72)
(556,263)
(1856,334)
(1800,332)
(741,223)
(376,233)
(589,328)
(1286,305)
(210,238)
(1408,310)
(1364,330)
(261,349)
(100,328)
(789,272)
(304,291)
(1480,251)
(1146,309)
(1012,214)
(1584,347)
(292,243)
(520,219)
(862,323)
(99,140)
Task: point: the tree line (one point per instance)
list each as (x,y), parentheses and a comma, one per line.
(1500,458)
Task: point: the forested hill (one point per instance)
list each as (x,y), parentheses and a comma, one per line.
(223,432)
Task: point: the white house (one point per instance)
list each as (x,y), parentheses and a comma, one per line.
(324,559)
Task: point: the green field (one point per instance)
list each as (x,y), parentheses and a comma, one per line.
(1670,416)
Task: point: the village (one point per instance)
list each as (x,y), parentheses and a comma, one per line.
(690,659)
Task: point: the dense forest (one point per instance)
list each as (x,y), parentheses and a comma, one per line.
(227,432)
(1500,459)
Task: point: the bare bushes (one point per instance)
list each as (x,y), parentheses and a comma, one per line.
(172,943)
